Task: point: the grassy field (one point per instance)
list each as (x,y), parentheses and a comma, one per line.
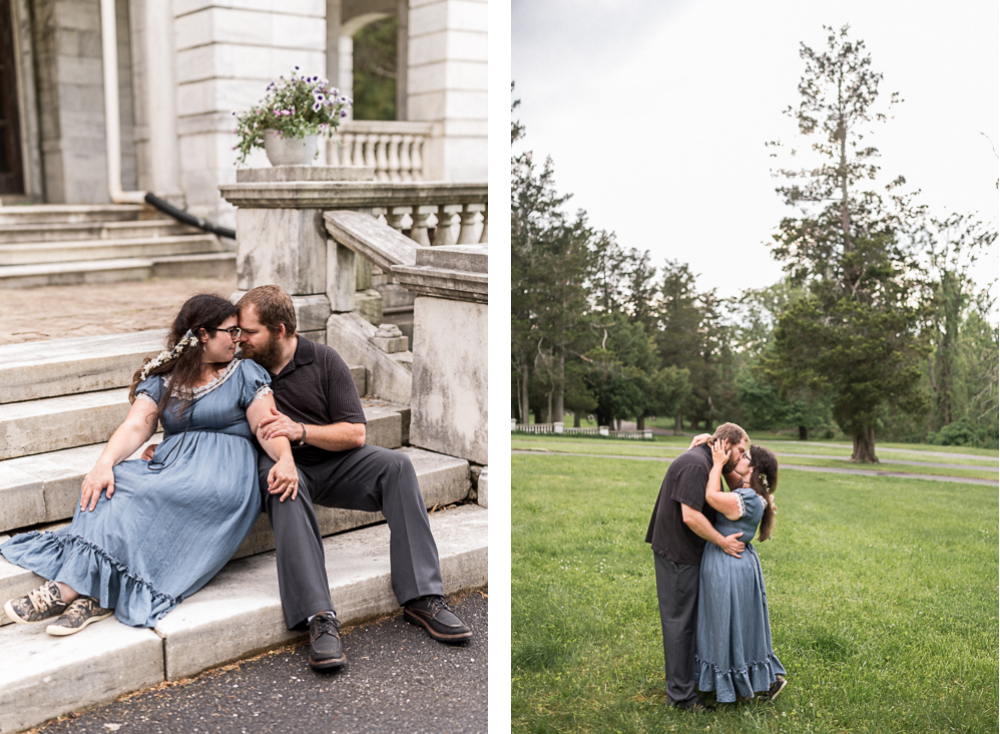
(788,452)
(883,596)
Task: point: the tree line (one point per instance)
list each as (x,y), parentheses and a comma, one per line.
(877,326)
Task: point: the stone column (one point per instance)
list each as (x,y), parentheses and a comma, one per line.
(226,55)
(449,396)
(282,241)
(446,84)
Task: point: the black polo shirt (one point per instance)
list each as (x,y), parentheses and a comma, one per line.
(317,388)
(685,482)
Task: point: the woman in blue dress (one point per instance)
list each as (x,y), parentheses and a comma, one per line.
(733,648)
(147,534)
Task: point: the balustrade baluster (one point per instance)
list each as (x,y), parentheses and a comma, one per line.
(467,230)
(442,232)
(417,157)
(394,216)
(358,154)
(483,239)
(418,232)
(381,159)
(370,151)
(394,141)
(405,162)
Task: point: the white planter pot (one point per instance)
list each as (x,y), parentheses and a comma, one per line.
(289,151)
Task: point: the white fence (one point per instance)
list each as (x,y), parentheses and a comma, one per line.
(644,435)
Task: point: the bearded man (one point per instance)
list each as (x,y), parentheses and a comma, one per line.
(681,524)
(319,411)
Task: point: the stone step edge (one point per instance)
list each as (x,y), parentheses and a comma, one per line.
(121,263)
(26,366)
(443,480)
(122,242)
(31,477)
(38,685)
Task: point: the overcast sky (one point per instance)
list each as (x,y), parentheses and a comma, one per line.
(655,113)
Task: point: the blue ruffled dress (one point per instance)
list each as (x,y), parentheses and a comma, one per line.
(733,651)
(172,523)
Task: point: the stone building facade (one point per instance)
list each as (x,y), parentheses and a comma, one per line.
(183,66)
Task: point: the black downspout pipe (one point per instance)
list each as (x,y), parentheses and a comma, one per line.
(183,216)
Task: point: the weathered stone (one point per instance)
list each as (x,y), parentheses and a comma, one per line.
(466,258)
(449,399)
(65,366)
(350,335)
(102,249)
(390,339)
(239,612)
(288,174)
(55,423)
(44,676)
(365,235)
(368,305)
(284,247)
(323,195)
(441,282)
(482,494)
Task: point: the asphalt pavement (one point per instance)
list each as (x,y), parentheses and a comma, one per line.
(396,679)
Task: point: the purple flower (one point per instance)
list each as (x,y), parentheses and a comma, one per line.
(295,68)
(343,113)
(319,97)
(317,107)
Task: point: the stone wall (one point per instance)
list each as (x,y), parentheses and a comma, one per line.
(69,78)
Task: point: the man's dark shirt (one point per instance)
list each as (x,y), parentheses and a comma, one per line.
(685,482)
(316,388)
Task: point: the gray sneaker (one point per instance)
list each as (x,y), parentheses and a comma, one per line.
(83,611)
(42,603)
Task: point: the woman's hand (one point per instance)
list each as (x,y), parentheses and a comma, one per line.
(700,439)
(719,452)
(283,478)
(98,479)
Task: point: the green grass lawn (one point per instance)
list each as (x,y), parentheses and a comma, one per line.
(787,452)
(882,591)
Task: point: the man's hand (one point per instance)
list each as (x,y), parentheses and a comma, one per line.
(732,546)
(97,480)
(279,424)
(283,479)
(147,453)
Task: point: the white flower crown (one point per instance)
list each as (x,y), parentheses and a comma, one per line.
(189,340)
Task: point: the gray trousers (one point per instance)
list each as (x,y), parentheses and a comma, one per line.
(371,479)
(677,592)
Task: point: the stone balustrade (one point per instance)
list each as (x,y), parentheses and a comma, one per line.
(394,149)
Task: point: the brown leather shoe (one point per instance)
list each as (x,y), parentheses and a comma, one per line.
(325,648)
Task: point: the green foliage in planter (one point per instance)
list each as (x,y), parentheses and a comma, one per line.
(295,108)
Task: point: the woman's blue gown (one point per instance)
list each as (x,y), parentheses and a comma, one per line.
(733,652)
(172,523)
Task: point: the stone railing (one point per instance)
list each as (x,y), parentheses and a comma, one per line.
(456,212)
(396,150)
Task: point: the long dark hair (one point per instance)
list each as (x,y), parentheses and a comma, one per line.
(764,481)
(202,312)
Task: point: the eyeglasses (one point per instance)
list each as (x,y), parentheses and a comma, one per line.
(234,331)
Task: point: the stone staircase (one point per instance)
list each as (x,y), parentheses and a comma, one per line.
(59,401)
(64,245)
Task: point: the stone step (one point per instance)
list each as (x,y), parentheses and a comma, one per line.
(443,480)
(68,232)
(211,265)
(75,213)
(52,424)
(237,614)
(46,369)
(117,249)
